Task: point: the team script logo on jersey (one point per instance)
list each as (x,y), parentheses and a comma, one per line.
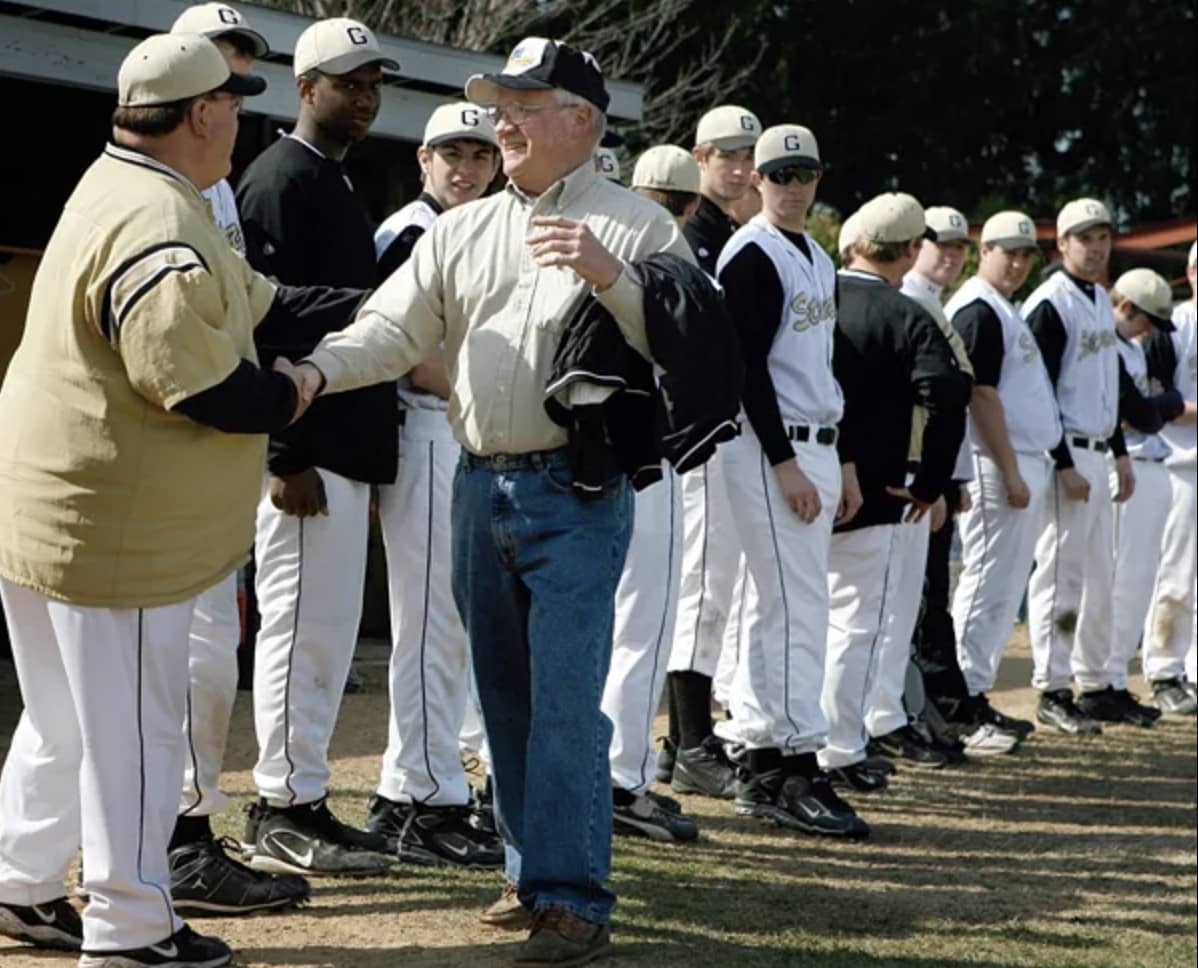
(1029,347)
(1091,342)
(809,311)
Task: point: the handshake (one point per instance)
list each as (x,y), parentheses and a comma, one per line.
(308,380)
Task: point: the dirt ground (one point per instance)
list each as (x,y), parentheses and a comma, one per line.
(1070,853)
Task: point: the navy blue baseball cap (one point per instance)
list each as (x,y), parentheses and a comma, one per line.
(538,64)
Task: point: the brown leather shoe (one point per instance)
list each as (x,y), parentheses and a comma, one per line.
(561,939)
(507,913)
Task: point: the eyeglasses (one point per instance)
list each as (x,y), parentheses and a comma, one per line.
(518,114)
(784,176)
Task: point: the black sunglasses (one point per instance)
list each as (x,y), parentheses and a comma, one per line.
(784,176)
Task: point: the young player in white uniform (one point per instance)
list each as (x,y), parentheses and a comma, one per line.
(1013,424)
(1142,302)
(421,804)
(1069,596)
(1170,633)
(786,487)
(647,596)
(724,143)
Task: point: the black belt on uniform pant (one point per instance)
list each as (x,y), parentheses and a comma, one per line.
(802,432)
(1088,443)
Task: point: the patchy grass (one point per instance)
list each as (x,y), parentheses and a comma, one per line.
(1070,854)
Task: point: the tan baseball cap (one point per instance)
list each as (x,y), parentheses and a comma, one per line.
(607,164)
(451,122)
(172,67)
(1009,230)
(948,223)
(848,233)
(1193,259)
(216,19)
(1150,294)
(784,146)
(1082,214)
(891,217)
(667,168)
(728,127)
(337,46)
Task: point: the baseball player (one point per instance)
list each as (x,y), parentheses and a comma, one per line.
(305,225)
(692,756)
(1170,633)
(135,378)
(422,802)
(786,485)
(647,595)
(204,879)
(892,356)
(1142,302)
(1014,424)
(1069,596)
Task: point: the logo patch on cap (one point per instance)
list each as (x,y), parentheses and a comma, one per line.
(470,117)
(228,16)
(1025,227)
(748,122)
(956,221)
(357,36)
(525,56)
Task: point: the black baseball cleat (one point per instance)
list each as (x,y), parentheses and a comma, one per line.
(907,743)
(1057,709)
(858,777)
(55,924)
(1173,698)
(651,815)
(1112,705)
(431,836)
(983,712)
(705,770)
(801,803)
(206,881)
(183,949)
(308,839)
(665,760)
(877,763)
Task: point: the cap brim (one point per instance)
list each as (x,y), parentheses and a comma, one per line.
(346,63)
(1011,245)
(261,47)
(246,85)
(930,234)
(465,135)
(943,238)
(1087,224)
(734,143)
(483,89)
(1163,323)
(791,161)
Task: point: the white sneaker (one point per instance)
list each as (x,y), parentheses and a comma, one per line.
(988,740)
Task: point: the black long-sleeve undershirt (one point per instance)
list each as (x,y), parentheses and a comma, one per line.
(249,400)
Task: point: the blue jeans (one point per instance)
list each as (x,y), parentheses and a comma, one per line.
(534,576)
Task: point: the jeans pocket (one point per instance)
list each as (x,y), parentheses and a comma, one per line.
(559,477)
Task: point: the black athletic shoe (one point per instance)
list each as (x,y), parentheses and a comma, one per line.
(985,713)
(308,839)
(907,743)
(799,803)
(705,770)
(183,949)
(1111,705)
(1058,709)
(858,777)
(205,880)
(482,808)
(877,763)
(1173,698)
(665,760)
(654,816)
(432,836)
(55,924)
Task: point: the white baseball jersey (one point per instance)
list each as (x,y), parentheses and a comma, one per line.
(1023,386)
(1141,446)
(223,206)
(420,214)
(1183,438)
(1088,385)
(800,359)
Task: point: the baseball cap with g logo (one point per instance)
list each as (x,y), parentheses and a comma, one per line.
(1009,230)
(728,128)
(215,19)
(173,67)
(948,224)
(1082,214)
(786,146)
(1150,294)
(337,46)
(461,120)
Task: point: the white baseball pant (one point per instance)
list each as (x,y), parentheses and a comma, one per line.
(743,594)
(96,760)
(709,557)
(310,573)
(1139,525)
(1170,632)
(430,657)
(998,544)
(646,604)
(860,576)
(775,696)
(212,690)
(1069,595)
(884,708)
